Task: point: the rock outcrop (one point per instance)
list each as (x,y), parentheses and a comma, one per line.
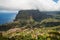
(35,14)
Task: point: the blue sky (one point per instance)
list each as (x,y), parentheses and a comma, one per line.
(16,5)
(56,1)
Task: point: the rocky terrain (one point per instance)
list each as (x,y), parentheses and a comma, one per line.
(37,15)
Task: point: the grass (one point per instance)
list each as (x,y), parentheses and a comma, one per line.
(30,30)
(31,34)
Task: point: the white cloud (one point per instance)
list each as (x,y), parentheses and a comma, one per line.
(42,5)
(16,4)
(47,5)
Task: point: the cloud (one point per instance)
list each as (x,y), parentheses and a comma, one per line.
(42,5)
(16,4)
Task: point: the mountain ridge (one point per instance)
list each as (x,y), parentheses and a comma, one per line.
(36,15)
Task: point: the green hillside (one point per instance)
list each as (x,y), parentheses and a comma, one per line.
(31,30)
(32,25)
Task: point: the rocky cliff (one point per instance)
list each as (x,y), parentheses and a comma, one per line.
(35,14)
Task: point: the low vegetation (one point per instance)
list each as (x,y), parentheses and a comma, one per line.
(31,30)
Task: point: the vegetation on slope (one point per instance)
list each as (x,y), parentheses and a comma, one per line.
(30,34)
(30,30)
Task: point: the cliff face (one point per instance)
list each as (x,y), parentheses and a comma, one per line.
(35,14)
(26,14)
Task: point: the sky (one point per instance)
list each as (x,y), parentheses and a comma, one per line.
(16,5)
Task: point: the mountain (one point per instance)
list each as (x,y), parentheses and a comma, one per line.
(41,19)
(35,14)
